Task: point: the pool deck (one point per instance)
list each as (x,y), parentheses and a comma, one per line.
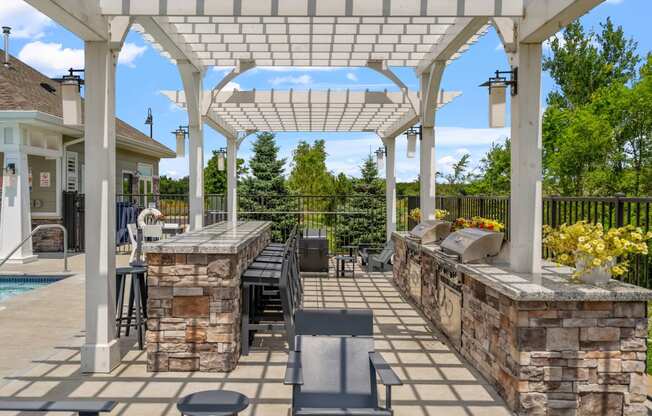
(35,322)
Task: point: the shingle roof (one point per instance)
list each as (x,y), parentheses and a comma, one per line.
(21,90)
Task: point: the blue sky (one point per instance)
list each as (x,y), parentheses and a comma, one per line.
(143,73)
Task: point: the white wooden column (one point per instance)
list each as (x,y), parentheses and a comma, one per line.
(192,85)
(429,93)
(100,353)
(390,185)
(526,154)
(15,215)
(232,179)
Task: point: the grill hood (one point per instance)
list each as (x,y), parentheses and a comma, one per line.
(430,231)
(472,244)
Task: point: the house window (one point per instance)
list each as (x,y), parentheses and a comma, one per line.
(145,183)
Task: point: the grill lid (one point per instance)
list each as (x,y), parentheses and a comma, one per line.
(431,231)
(472,244)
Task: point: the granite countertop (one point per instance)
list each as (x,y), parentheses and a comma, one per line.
(553,284)
(220,238)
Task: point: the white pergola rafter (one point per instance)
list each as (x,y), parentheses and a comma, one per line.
(289,8)
(311,110)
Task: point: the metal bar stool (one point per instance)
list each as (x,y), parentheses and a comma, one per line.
(137,303)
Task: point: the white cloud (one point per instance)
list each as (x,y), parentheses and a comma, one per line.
(351,76)
(25,21)
(53,59)
(500,47)
(462,151)
(614,1)
(304,79)
(559,35)
(232,86)
(458,137)
(298,68)
(129,53)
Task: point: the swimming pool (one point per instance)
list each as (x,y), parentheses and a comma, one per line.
(15,285)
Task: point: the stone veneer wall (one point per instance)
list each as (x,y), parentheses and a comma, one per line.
(50,240)
(558,358)
(194,309)
(546,358)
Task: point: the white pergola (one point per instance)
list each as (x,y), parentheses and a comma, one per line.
(385,113)
(380,34)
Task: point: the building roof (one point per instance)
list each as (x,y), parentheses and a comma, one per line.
(23,88)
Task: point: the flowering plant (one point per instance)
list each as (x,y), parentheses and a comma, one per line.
(595,247)
(440,214)
(479,222)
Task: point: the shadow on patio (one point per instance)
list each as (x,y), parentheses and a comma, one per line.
(436,380)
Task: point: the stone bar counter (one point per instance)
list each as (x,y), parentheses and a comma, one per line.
(548,346)
(194,295)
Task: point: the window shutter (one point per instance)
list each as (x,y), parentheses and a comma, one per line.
(72,172)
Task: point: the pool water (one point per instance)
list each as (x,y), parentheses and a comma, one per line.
(15,285)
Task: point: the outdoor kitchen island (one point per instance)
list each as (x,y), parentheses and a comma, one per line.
(548,346)
(194,295)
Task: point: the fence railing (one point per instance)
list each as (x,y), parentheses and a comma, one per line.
(354,219)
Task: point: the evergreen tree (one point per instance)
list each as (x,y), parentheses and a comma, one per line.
(264,190)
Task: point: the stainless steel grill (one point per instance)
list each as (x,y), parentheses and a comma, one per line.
(430,231)
(472,244)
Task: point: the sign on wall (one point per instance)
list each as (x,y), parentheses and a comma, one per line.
(44,180)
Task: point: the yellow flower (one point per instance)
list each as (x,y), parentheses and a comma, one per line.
(597,262)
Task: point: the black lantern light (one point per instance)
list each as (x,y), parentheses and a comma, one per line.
(412,134)
(150,122)
(221,159)
(180,134)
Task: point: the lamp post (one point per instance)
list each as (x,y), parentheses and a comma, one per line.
(412,133)
(180,134)
(497,85)
(221,158)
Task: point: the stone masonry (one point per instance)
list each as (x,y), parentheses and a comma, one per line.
(558,358)
(194,308)
(545,358)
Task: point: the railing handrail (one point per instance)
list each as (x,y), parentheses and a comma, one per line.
(31,234)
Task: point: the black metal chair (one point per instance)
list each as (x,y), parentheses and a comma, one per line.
(337,376)
(81,407)
(137,304)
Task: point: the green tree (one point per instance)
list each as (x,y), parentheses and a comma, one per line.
(215,179)
(171,186)
(309,175)
(583,62)
(458,176)
(495,168)
(264,190)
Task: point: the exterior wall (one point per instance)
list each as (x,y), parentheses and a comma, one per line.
(43,198)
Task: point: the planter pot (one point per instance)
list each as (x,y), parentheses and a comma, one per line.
(596,275)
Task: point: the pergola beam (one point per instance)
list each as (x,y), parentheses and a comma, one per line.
(83,18)
(456,37)
(294,8)
(544,18)
(167,37)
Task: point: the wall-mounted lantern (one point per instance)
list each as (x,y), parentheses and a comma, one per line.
(381,152)
(149,121)
(180,135)
(71,98)
(221,159)
(497,95)
(412,134)
(10,173)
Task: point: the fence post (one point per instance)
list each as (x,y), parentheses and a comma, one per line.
(553,211)
(619,209)
(481,200)
(459,207)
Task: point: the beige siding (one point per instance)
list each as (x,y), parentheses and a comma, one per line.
(43,199)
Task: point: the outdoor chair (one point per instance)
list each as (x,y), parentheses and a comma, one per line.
(80,407)
(337,376)
(378,260)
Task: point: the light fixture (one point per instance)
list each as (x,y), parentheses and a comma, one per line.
(71,98)
(150,122)
(381,152)
(180,134)
(412,133)
(497,95)
(10,170)
(221,159)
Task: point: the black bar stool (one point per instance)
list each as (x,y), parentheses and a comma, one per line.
(137,306)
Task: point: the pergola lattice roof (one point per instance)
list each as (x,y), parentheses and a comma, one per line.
(312,110)
(311,41)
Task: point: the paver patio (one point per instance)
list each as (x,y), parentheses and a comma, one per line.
(436,380)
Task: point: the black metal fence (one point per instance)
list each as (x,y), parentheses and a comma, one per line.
(352,219)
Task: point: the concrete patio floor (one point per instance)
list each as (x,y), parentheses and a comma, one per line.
(436,380)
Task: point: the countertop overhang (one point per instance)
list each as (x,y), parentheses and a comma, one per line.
(552,284)
(220,238)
